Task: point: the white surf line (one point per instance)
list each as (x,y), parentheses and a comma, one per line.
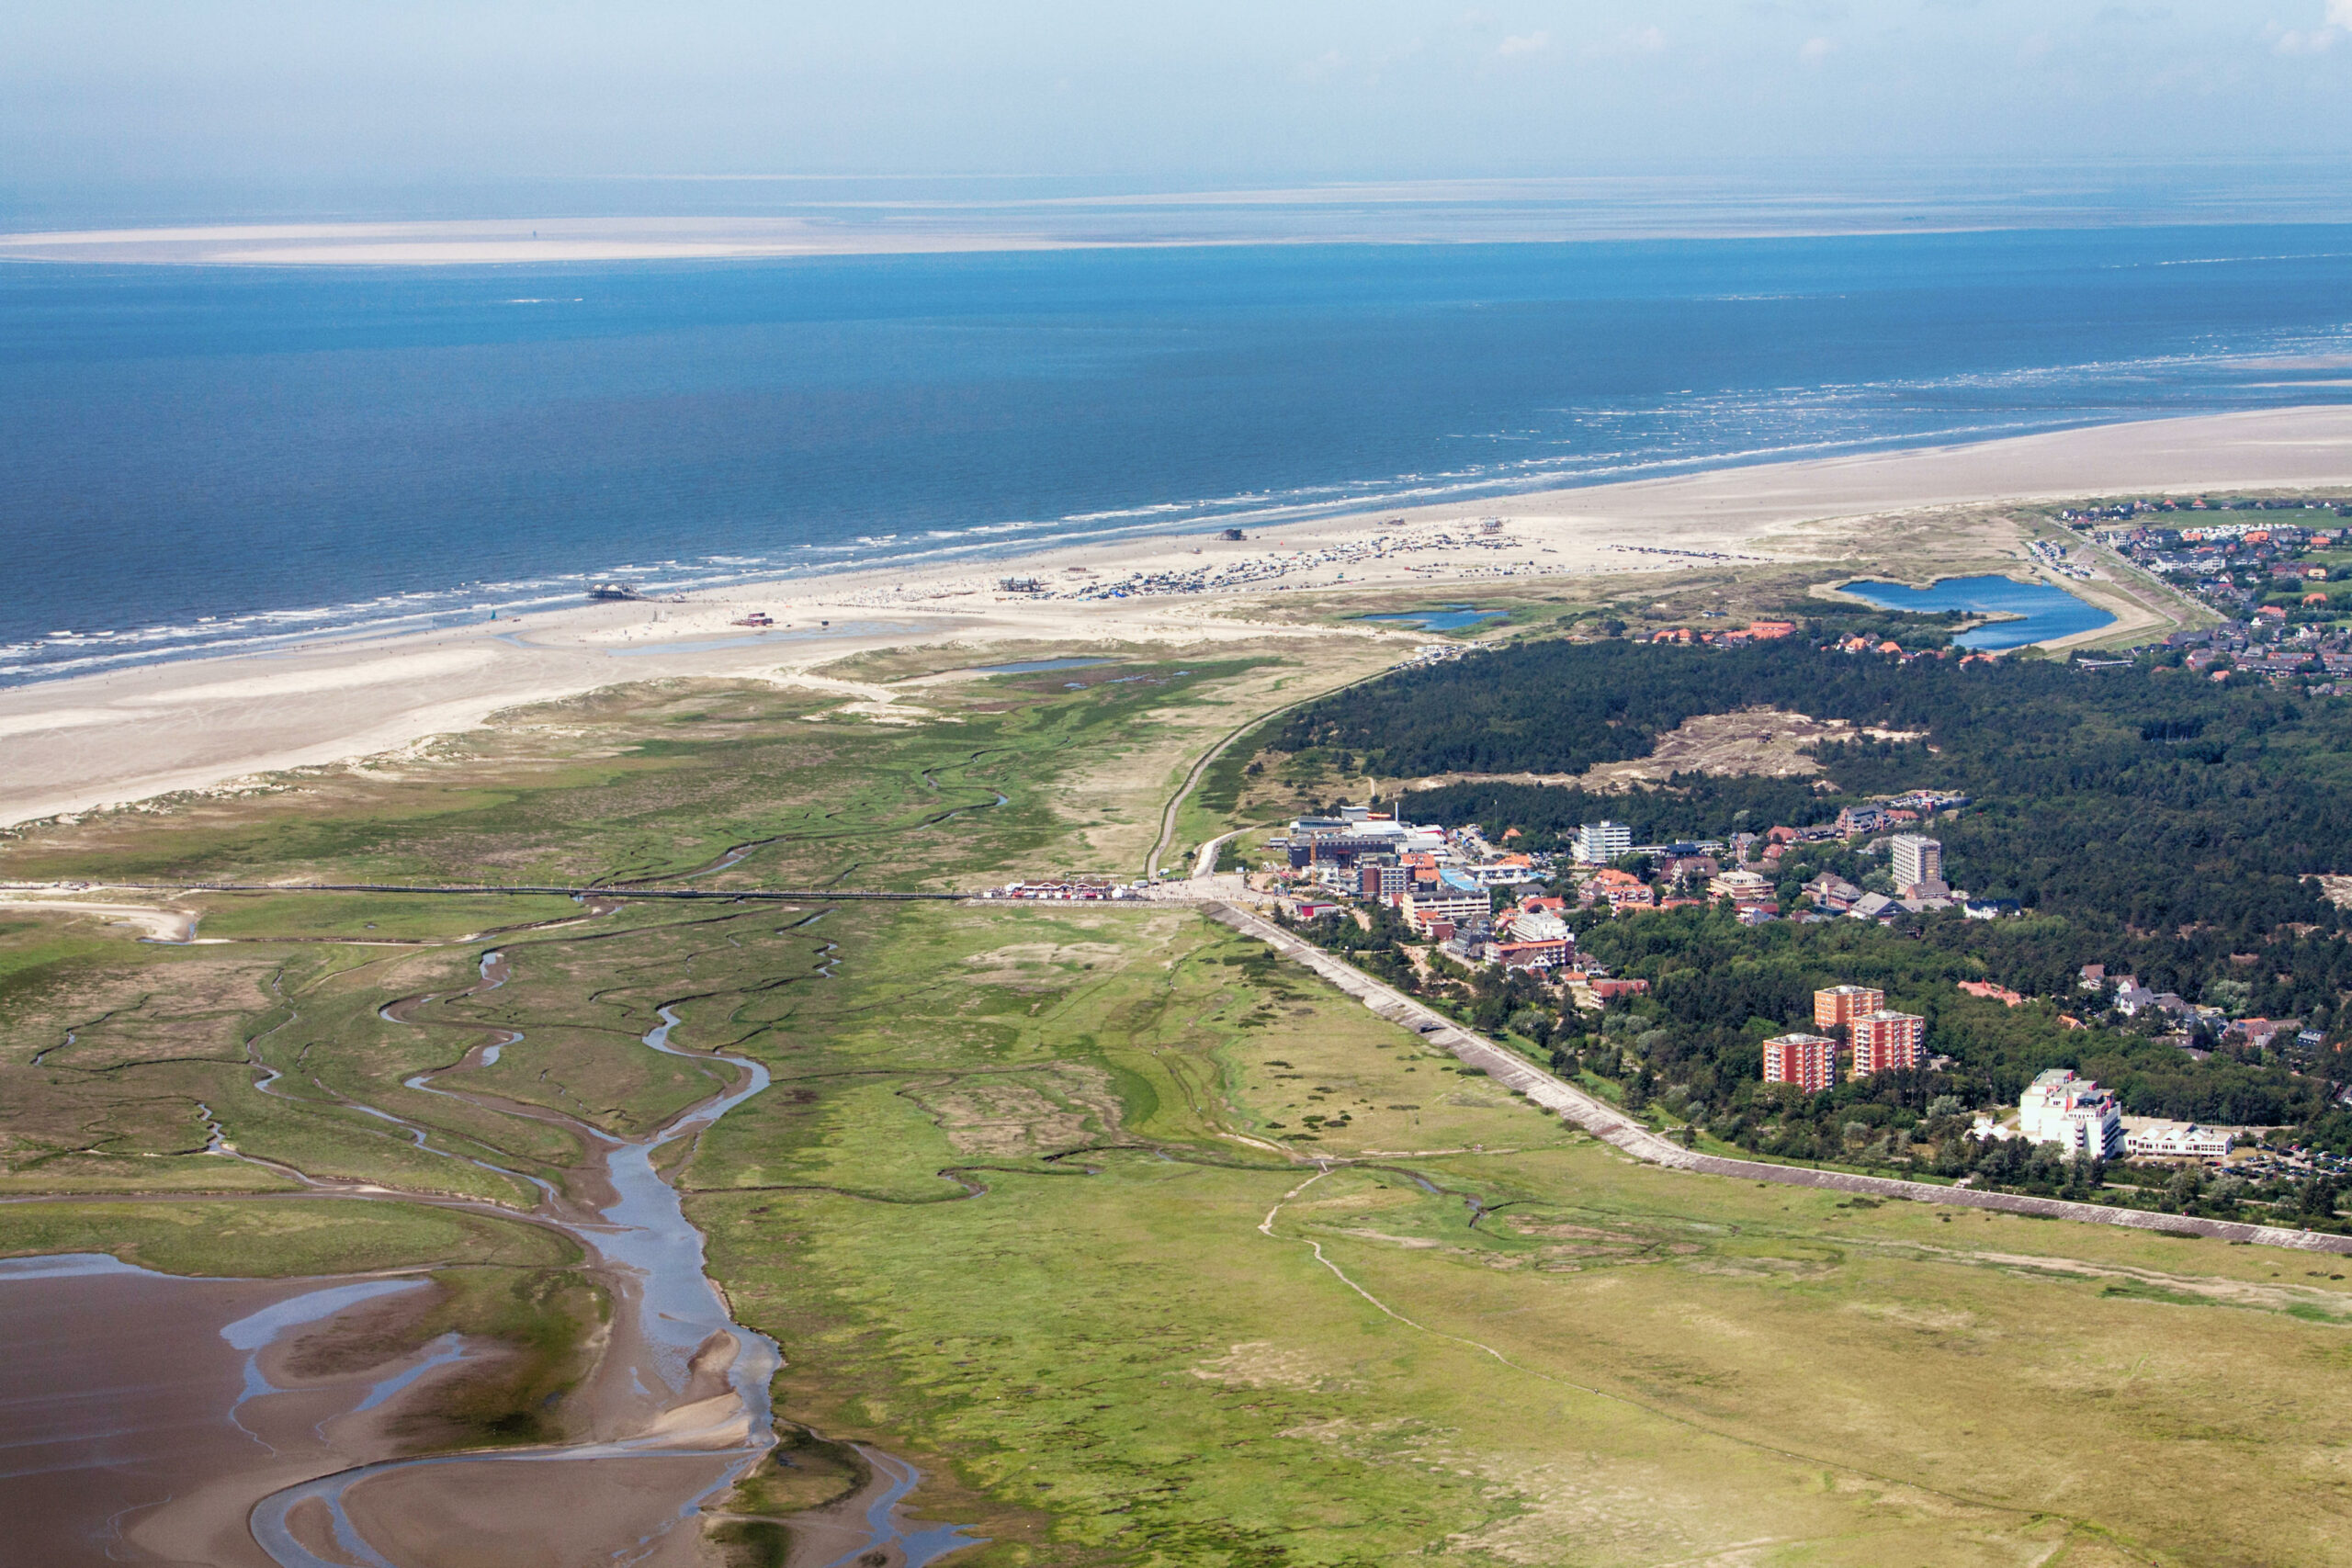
(1610,1126)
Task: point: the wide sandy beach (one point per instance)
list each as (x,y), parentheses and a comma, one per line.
(132,735)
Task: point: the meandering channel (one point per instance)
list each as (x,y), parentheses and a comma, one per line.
(680,1402)
(667,1311)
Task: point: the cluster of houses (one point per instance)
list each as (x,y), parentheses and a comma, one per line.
(1853,1030)
(1771,631)
(1730,637)
(1082,890)
(2280,619)
(1917,866)
(1442,880)
(2125,995)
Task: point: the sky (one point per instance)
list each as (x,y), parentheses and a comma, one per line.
(153,93)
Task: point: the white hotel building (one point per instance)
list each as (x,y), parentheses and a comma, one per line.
(2074,1114)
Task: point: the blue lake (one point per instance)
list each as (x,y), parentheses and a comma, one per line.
(1453,618)
(2049,611)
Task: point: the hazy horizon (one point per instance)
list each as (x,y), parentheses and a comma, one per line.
(134,111)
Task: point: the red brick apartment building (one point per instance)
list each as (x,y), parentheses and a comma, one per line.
(1837,1006)
(1885,1041)
(1808,1061)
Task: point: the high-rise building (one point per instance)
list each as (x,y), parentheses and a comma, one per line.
(1808,1061)
(1839,1006)
(2074,1114)
(1598,843)
(1916,861)
(1887,1042)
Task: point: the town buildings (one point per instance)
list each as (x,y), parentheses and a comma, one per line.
(1837,1006)
(2072,1112)
(1808,1061)
(1887,1042)
(1741,888)
(1918,864)
(1453,898)
(1832,893)
(1598,843)
(2174,1140)
(1623,890)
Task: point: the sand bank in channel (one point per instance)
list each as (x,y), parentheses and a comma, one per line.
(131,735)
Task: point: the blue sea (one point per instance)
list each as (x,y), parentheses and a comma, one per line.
(213,459)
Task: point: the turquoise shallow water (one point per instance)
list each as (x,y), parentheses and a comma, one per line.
(2048,612)
(213,459)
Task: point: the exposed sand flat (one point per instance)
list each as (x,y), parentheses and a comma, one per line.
(823,216)
(131,735)
(160,924)
(538,1513)
(482,241)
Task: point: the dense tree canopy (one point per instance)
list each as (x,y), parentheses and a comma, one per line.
(2148,818)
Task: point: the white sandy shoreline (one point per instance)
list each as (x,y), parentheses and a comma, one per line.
(133,734)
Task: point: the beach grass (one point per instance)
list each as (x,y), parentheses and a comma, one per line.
(1147,1246)
(280,1238)
(369,916)
(1540,1350)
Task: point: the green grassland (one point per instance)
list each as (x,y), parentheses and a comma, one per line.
(367,916)
(112,1050)
(662,781)
(256,1238)
(1105,1322)
(1148,1247)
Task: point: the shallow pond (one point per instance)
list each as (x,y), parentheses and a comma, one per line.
(2047,612)
(1033,666)
(1451,618)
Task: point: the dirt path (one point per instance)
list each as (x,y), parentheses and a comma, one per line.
(1610,1126)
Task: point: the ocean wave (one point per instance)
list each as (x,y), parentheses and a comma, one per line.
(1564,444)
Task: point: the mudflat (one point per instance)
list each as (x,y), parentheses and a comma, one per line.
(146,1413)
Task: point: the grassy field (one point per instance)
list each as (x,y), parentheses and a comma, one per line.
(1484,1339)
(276,1239)
(669,781)
(368,917)
(119,1058)
(1148,1248)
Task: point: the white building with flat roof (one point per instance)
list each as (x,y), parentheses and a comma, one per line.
(1915,861)
(1598,843)
(2072,1112)
(2175,1139)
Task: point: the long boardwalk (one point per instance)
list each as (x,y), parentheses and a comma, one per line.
(1605,1121)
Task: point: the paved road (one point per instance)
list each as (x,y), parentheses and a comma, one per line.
(1205,863)
(1613,1126)
(1201,766)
